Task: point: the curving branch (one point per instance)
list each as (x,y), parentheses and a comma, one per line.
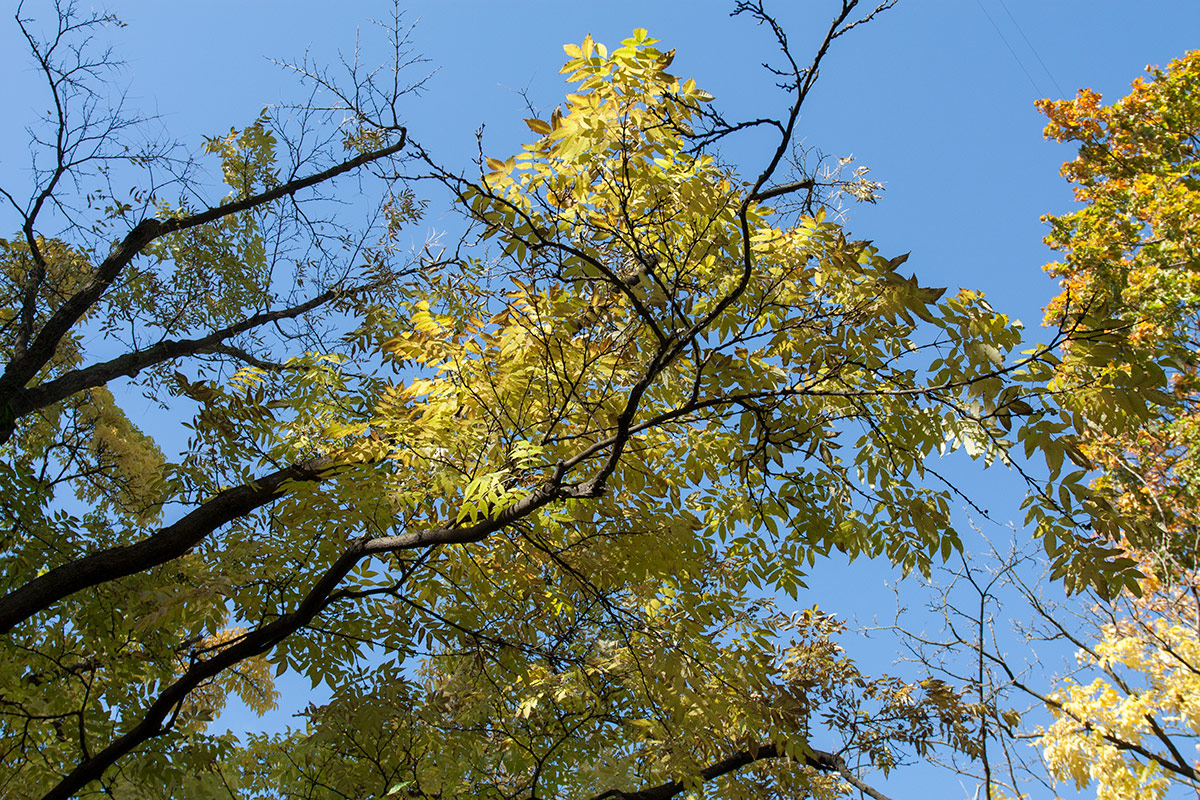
(252,644)
(261,640)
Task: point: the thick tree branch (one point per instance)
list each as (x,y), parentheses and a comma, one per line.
(166,544)
(253,644)
(787,188)
(542,496)
(817,759)
(263,639)
(37,397)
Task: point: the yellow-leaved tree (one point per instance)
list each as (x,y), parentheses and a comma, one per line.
(1126,724)
(521,505)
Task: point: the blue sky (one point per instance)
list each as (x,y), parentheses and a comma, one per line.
(936,97)
(932,96)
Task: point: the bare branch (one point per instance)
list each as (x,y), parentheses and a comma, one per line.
(21,369)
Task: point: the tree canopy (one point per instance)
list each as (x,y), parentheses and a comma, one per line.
(522,503)
(1131,253)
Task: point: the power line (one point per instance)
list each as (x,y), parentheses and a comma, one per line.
(1033,49)
(1004,39)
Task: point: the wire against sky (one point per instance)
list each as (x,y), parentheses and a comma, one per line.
(1020,63)
(1032,49)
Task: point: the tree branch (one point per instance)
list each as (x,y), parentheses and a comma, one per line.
(253,644)
(817,759)
(543,495)
(166,544)
(130,364)
(22,368)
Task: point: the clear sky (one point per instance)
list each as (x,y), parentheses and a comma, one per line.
(936,97)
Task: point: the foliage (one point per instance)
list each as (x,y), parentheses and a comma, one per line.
(1124,721)
(1120,718)
(1130,256)
(1126,730)
(518,505)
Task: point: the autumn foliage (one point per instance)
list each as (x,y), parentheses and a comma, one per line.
(524,504)
(1124,725)
(1125,722)
(1131,259)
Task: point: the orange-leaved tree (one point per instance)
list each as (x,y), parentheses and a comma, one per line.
(1130,264)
